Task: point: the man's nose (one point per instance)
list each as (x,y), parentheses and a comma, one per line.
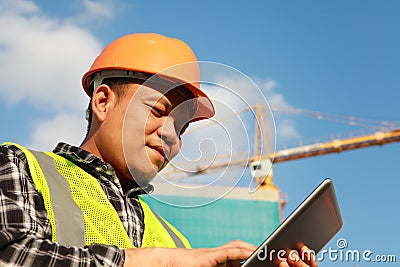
(168,132)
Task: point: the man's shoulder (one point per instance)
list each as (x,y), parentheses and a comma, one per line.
(12,152)
(13,164)
(16,151)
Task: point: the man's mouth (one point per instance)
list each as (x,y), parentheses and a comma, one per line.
(161,152)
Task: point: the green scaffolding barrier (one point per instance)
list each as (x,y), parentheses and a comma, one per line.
(221,221)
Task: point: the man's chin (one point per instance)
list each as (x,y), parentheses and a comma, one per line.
(142,178)
(163,165)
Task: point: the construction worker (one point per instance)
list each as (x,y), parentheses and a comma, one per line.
(81,206)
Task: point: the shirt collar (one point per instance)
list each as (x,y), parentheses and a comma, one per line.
(82,157)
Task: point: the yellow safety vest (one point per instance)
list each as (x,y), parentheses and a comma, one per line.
(80,213)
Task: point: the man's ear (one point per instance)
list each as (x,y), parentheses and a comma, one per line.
(103,100)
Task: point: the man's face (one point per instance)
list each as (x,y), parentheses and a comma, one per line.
(145,129)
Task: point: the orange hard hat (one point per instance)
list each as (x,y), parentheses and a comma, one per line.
(154,54)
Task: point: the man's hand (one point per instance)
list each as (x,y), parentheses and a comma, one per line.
(230,254)
(304,258)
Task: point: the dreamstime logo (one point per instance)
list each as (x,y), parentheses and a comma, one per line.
(339,254)
(219,141)
(344,254)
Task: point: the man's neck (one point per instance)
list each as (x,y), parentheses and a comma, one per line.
(90,146)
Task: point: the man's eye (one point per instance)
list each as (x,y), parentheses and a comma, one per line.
(157,112)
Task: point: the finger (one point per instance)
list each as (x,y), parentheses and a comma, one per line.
(308,256)
(239,244)
(283,264)
(294,260)
(233,244)
(234,264)
(228,254)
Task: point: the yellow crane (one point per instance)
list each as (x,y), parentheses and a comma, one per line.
(261,162)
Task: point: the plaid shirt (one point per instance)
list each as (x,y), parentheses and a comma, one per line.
(25,230)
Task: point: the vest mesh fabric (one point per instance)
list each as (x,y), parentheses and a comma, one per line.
(102,223)
(159,238)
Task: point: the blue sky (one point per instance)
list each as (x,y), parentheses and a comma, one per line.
(340,57)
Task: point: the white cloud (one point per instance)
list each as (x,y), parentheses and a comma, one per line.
(269,85)
(61,128)
(102,9)
(286,130)
(42,62)
(18,7)
(93,13)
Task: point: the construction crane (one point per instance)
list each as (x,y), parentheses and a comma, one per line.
(261,162)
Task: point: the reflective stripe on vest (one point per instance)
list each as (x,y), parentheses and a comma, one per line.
(68,217)
(177,240)
(72,224)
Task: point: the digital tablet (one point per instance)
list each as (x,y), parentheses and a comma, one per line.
(313,223)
